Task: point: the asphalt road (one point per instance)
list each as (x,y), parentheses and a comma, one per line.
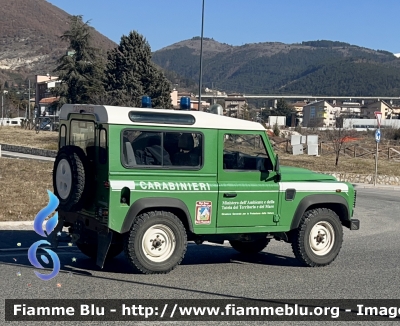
(368,267)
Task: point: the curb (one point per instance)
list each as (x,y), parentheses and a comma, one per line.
(22,156)
(17,223)
(29,150)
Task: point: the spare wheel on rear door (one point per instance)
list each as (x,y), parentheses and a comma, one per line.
(70,177)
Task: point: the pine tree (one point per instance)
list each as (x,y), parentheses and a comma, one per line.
(81,70)
(130,74)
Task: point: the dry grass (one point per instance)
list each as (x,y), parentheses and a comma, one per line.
(23,188)
(326,163)
(28,138)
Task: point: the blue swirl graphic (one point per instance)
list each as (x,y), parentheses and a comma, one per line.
(50,226)
(41,216)
(33,260)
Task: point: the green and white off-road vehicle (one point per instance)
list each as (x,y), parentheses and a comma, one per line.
(146,181)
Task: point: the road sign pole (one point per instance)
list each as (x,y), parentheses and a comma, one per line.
(378,115)
(376,163)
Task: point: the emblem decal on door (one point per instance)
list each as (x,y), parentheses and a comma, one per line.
(203,212)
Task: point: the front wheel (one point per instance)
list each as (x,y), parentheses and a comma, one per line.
(156,242)
(319,238)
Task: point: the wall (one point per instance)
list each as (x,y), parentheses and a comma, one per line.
(366,178)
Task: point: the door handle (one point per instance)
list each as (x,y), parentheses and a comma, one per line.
(230,195)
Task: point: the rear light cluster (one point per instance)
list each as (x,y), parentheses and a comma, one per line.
(107,184)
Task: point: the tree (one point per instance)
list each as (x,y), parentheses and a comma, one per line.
(245,112)
(81,69)
(276,130)
(283,109)
(130,74)
(339,137)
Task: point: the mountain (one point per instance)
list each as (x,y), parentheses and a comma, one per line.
(30,38)
(313,68)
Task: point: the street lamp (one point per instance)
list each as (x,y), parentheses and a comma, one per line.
(201,55)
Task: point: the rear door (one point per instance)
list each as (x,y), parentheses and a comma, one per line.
(248,192)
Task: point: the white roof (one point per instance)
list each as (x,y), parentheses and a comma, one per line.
(120,115)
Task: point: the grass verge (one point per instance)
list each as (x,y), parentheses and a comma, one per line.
(23,188)
(326,163)
(28,138)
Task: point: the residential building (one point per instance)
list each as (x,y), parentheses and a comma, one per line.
(368,111)
(298,107)
(349,109)
(44,99)
(174,98)
(319,114)
(234,104)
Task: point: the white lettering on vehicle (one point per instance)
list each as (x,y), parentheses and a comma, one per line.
(171,186)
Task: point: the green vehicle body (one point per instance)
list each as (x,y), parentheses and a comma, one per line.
(213,203)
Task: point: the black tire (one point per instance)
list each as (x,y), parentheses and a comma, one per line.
(165,226)
(90,249)
(328,232)
(249,247)
(74,158)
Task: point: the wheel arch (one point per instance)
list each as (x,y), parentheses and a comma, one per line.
(173,205)
(336,203)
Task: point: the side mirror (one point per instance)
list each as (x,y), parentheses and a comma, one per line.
(277,168)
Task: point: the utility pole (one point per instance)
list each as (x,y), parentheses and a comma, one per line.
(201,56)
(2,109)
(29,101)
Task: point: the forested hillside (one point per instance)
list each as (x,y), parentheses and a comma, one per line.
(312,68)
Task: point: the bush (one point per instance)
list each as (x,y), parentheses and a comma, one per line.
(276,130)
(396,134)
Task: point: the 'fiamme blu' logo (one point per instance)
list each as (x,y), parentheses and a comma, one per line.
(50,226)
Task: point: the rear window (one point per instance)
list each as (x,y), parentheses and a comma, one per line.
(82,134)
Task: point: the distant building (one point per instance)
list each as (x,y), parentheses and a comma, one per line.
(364,124)
(319,114)
(349,109)
(368,111)
(298,107)
(234,105)
(44,98)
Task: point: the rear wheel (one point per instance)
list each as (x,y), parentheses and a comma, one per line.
(249,247)
(156,242)
(319,238)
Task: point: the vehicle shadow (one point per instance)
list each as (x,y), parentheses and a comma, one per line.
(14,245)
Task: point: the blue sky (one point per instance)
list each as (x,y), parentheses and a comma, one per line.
(368,23)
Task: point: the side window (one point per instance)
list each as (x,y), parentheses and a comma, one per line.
(245,152)
(103,146)
(172,149)
(62,140)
